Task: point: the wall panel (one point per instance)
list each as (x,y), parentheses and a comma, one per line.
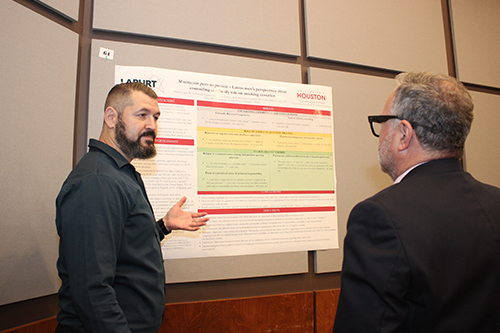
(235,267)
(391,34)
(476,31)
(266,25)
(482,148)
(37,91)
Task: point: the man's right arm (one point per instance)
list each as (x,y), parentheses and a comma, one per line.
(375,274)
(91,220)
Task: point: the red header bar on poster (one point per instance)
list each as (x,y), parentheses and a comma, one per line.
(263,192)
(262,108)
(267,210)
(178,142)
(179,101)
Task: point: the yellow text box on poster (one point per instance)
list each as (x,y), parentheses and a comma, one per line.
(235,139)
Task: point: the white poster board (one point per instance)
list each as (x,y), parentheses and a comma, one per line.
(256,155)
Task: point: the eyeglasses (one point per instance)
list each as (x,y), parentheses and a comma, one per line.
(377,121)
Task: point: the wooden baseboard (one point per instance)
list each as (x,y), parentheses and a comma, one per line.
(305,312)
(326,302)
(42,326)
(289,313)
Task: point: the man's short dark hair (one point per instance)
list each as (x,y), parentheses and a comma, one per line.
(119,96)
(438,106)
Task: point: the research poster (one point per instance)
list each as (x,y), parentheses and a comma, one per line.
(256,155)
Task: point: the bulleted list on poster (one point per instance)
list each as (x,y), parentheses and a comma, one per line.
(257,155)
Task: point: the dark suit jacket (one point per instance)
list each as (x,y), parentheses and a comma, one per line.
(423,256)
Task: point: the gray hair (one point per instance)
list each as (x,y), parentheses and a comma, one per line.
(439,108)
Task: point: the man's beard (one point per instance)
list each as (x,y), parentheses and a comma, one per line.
(386,160)
(134,149)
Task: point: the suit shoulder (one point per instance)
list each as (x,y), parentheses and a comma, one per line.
(484,186)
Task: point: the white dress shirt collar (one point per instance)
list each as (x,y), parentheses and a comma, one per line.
(401,176)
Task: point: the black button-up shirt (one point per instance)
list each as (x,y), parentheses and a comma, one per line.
(110,260)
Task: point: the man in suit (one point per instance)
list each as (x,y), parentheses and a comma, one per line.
(423,255)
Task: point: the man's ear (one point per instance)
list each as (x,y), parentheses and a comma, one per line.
(406,133)
(110,117)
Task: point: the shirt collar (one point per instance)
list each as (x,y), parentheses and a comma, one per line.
(119,159)
(403,175)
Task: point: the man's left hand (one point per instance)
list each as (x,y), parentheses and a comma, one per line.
(178,219)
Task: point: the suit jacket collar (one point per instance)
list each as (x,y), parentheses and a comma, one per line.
(435,167)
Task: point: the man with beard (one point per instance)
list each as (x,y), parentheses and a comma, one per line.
(423,255)
(110,260)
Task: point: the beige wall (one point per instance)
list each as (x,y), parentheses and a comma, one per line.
(50,82)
